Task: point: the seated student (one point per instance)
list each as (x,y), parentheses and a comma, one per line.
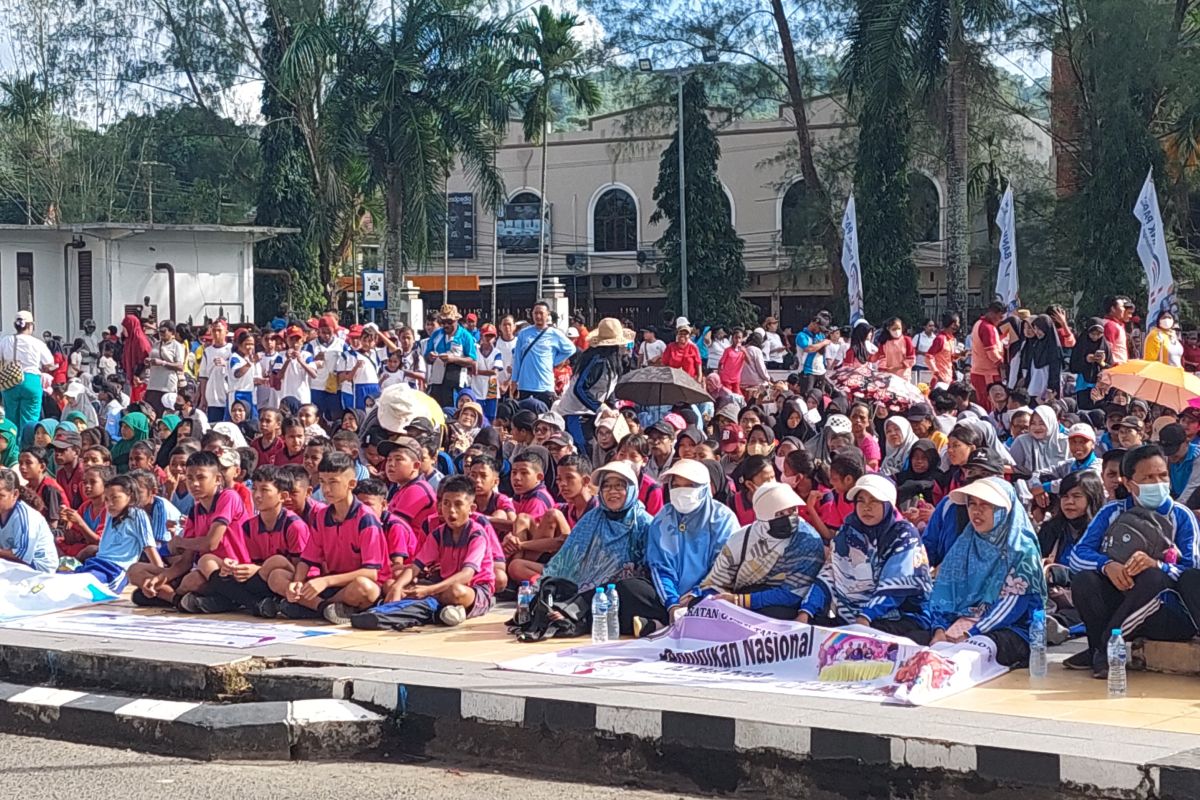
(635,448)
(165,519)
(1113,588)
(771,565)
(299,501)
(880,573)
(347,442)
(174,486)
(127,538)
(25,537)
(1183,464)
(946,520)
(86,525)
(846,467)
(1018,424)
(409,495)
(681,546)
(1110,474)
(1081,496)
(141,457)
(68,470)
(346,545)
(32,465)
(922,479)
(534,540)
(496,507)
(213,526)
(753,472)
(434,468)
(269,444)
(1081,444)
(530,496)
(991,580)
(135,427)
(275,538)
(96,456)
(315,450)
(454,560)
(398,535)
(293,437)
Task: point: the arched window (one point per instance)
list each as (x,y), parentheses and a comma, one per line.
(530,198)
(924,208)
(615,222)
(800,217)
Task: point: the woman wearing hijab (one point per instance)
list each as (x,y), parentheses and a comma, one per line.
(990,582)
(135,346)
(10,444)
(1090,355)
(1044,446)
(681,546)
(881,575)
(135,427)
(1045,358)
(771,565)
(793,421)
(720,395)
(837,434)
(922,477)
(899,440)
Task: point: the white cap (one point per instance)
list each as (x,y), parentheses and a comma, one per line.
(773,497)
(682,322)
(73,390)
(690,470)
(573,333)
(839,424)
(877,486)
(993,490)
(622,468)
(24,317)
(554,420)
(1083,430)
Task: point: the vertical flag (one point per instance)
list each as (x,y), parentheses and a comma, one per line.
(1007,286)
(1152,250)
(850,263)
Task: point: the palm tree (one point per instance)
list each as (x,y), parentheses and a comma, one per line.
(556,60)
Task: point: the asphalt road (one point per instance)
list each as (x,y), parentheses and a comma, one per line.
(33,769)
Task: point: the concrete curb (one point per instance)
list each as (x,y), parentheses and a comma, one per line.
(276,730)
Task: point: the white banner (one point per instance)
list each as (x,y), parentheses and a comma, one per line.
(718,645)
(850,264)
(25,592)
(1152,250)
(1007,286)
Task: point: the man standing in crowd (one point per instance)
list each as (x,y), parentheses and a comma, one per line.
(987,353)
(1117,312)
(922,342)
(214,385)
(773,347)
(540,348)
(166,366)
(23,402)
(448,352)
(811,344)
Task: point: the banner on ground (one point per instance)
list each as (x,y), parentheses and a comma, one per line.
(25,592)
(850,263)
(1007,285)
(718,645)
(1152,250)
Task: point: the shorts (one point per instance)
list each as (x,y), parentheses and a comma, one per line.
(484,600)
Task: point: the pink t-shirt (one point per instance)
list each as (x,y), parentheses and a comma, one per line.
(1114,334)
(354,543)
(870,449)
(413,501)
(451,552)
(433,523)
(730,366)
(227,509)
(650,493)
(534,503)
(834,509)
(287,537)
(400,540)
(497,502)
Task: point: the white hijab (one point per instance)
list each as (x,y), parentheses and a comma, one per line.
(896,457)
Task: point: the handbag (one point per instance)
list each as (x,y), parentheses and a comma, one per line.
(11,373)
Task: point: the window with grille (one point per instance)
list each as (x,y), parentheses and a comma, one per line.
(25,282)
(615,222)
(84,262)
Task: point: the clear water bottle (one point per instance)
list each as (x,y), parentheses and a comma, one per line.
(614,613)
(599,616)
(1117,686)
(1037,645)
(524,603)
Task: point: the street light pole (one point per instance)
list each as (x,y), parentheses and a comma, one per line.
(683,254)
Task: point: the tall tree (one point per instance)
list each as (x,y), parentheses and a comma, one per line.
(551,53)
(716,272)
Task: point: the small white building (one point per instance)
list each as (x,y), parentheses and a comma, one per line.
(67,273)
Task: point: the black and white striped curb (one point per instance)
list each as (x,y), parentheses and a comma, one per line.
(269,730)
(729,745)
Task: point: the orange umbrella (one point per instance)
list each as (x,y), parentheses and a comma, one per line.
(1155,382)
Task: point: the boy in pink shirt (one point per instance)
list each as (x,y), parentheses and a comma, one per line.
(455,557)
(410,496)
(398,535)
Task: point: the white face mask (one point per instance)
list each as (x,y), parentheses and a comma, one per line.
(688,499)
(1166,324)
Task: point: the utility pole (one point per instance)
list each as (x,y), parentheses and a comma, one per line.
(683,233)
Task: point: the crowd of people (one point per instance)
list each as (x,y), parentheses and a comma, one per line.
(310,469)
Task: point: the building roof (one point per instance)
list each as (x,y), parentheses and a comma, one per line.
(259,232)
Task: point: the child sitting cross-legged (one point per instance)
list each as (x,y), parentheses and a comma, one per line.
(85,526)
(454,562)
(126,539)
(397,534)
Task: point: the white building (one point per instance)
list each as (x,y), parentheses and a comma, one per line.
(68,273)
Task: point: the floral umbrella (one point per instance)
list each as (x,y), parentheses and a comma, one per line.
(868,382)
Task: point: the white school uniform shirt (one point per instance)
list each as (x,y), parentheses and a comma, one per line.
(338,358)
(294,380)
(506,350)
(367,375)
(482,384)
(214,366)
(715,351)
(246,382)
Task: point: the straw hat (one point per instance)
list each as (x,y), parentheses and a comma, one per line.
(449,311)
(608,333)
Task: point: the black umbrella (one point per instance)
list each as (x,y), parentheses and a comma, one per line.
(660,386)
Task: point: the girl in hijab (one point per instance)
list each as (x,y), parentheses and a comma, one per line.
(771,565)
(135,346)
(180,430)
(1044,446)
(682,544)
(881,575)
(720,395)
(793,421)
(899,439)
(1089,356)
(836,435)
(135,427)
(240,415)
(760,441)
(1045,358)
(921,477)
(163,428)
(991,581)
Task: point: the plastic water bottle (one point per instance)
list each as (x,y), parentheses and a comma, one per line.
(1037,645)
(524,602)
(1117,686)
(614,615)
(599,616)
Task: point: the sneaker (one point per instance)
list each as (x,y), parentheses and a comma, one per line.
(452,615)
(337,613)
(643,627)
(1056,632)
(297,611)
(1080,661)
(194,603)
(268,607)
(143,600)
(1100,666)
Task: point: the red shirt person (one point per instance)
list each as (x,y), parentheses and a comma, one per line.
(987,353)
(683,353)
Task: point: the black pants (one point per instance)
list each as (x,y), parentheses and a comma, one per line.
(1011,649)
(239,594)
(639,599)
(810,382)
(546,397)
(443,393)
(1139,611)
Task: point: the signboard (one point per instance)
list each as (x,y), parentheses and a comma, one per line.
(373,295)
(460,211)
(518,228)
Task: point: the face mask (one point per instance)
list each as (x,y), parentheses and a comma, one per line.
(1153,495)
(686,500)
(1166,324)
(779,464)
(757,449)
(783,527)
(895,334)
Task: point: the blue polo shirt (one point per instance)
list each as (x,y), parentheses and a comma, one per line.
(535,355)
(806,338)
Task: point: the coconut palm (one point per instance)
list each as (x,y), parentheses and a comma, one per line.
(550,53)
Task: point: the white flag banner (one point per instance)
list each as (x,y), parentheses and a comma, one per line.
(1152,250)
(1007,286)
(850,264)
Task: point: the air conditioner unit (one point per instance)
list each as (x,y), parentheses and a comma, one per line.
(628,281)
(608,281)
(576,262)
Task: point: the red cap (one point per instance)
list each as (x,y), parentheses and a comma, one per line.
(355,331)
(488,329)
(472,318)
(732,436)
(314,323)
(294,330)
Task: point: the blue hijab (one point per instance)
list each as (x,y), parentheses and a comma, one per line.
(882,561)
(980,568)
(681,548)
(604,546)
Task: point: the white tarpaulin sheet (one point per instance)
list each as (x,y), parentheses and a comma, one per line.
(25,592)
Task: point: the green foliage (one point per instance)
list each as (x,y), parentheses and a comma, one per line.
(549,51)
(716,273)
